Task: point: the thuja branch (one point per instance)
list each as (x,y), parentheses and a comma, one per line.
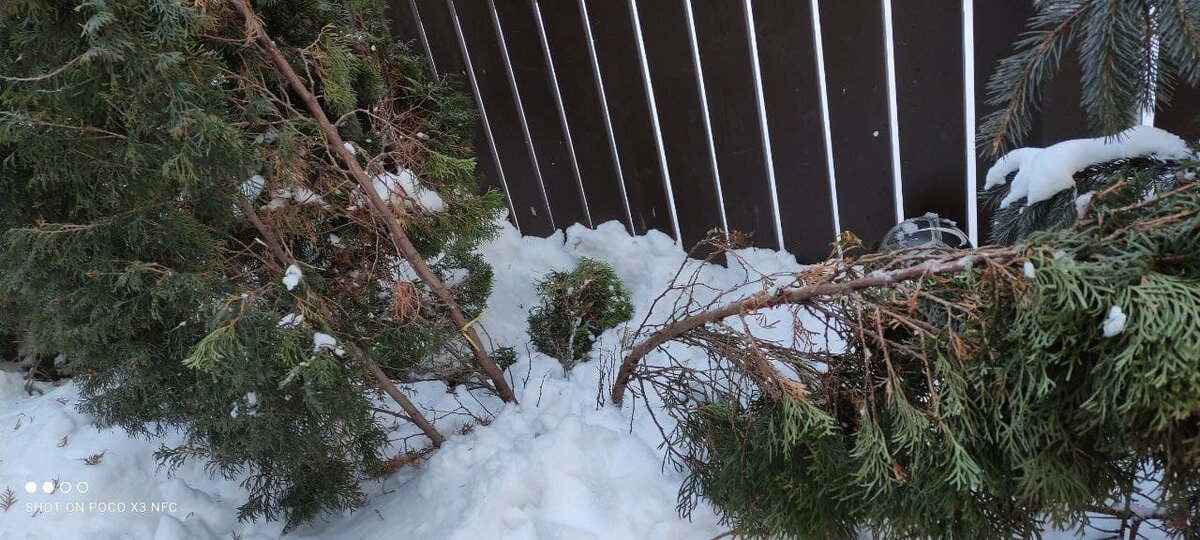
(385,384)
(800,296)
(379,207)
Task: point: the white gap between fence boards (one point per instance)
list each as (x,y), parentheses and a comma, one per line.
(562,111)
(893,110)
(764,129)
(487,126)
(708,131)
(412,4)
(612,139)
(826,130)
(969,112)
(512,84)
(658,137)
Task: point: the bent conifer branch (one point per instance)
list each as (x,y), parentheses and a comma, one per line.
(798,296)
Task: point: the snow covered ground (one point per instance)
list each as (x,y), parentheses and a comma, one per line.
(555,467)
(558,466)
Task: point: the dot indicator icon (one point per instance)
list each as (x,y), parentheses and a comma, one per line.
(48,487)
(30,487)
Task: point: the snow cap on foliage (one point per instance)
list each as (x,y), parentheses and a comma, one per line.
(403,185)
(291,277)
(1043,172)
(326,342)
(253,187)
(1114,322)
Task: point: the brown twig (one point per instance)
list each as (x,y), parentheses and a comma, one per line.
(798,296)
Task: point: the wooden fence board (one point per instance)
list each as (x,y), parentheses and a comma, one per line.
(681,115)
(525,192)
(1181,116)
(569,51)
(620,67)
(792,96)
(856,76)
(528,61)
(930,107)
(725,55)
(439,30)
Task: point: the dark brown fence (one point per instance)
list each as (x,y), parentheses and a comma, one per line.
(788,119)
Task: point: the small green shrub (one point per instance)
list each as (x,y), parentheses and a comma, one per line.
(577,306)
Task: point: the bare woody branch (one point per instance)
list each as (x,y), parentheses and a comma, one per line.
(799,296)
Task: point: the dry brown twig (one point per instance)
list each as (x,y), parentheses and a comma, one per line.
(806,295)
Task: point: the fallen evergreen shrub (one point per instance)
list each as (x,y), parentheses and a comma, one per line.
(175,221)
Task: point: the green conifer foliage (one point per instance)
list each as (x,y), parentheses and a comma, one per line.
(1020,220)
(1132,54)
(987,402)
(576,307)
(129,241)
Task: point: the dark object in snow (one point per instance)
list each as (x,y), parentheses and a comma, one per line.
(928,231)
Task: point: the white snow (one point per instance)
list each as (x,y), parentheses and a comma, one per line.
(350,148)
(1082,201)
(555,467)
(294,195)
(292,277)
(253,187)
(1042,173)
(1012,161)
(335,241)
(404,185)
(1114,322)
(291,320)
(326,342)
(1030,272)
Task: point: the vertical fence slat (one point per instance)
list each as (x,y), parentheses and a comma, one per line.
(524,191)
(445,52)
(726,59)
(439,30)
(681,115)
(929,82)
(1182,115)
(404,25)
(793,101)
(568,45)
(612,31)
(997,27)
(855,72)
(541,113)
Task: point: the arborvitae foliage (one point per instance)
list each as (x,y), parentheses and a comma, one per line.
(1019,220)
(984,402)
(130,246)
(1133,54)
(576,307)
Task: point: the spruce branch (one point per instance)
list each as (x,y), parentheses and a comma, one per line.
(1019,79)
(379,207)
